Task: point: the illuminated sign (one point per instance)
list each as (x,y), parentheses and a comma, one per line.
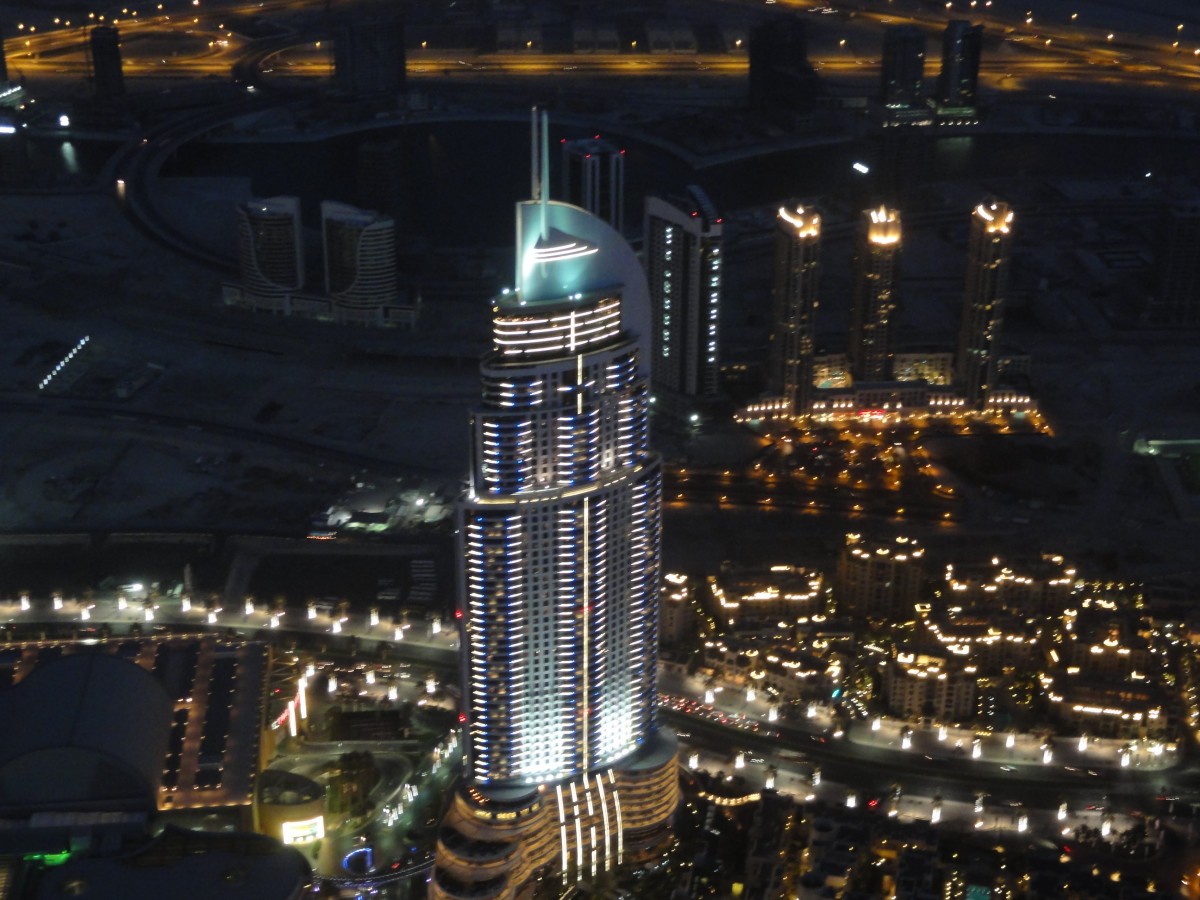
(303,832)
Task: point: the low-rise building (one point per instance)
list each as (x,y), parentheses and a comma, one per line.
(920,685)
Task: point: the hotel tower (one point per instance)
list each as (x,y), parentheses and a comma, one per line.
(565,775)
(794,305)
(875,264)
(988,255)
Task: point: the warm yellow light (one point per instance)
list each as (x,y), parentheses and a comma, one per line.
(303,831)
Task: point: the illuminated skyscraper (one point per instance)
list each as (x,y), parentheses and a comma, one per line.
(988,252)
(797,269)
(594,178)
(683,267)
(360,261)
(902,70)
(270,254)
(962,45)
(565,769)
(875,267)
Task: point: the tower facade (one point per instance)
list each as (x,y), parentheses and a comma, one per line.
(683,268)
(566,774)
(3,65)
(794,301)
(988,253)
(875,268)
(1176,297)
(594,178)
(368,52)
(958,82)
(108,80)
(781,76)
(270,255)
(360,261)
(902,70)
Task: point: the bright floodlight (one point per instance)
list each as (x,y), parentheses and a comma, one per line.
(861,168)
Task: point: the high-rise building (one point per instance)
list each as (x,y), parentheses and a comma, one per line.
(360,261)
(683,267)
(1176,297)
(108,80)
(565,769)
(794,301)
(902,70)
(3,65)
(368,51)
(381,176)
(270,253)
(876,261)
(14,154)
(988,253)
(594,178)
(962,45)
(781,77)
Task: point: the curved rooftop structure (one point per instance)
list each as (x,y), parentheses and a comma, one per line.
(85,731)
(565,252)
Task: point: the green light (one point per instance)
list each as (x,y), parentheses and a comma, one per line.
(49,859)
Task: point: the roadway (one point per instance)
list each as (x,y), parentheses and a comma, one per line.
(866,766)
(1036,54)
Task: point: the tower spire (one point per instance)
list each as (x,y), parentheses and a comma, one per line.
(535,181)
(544,190)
